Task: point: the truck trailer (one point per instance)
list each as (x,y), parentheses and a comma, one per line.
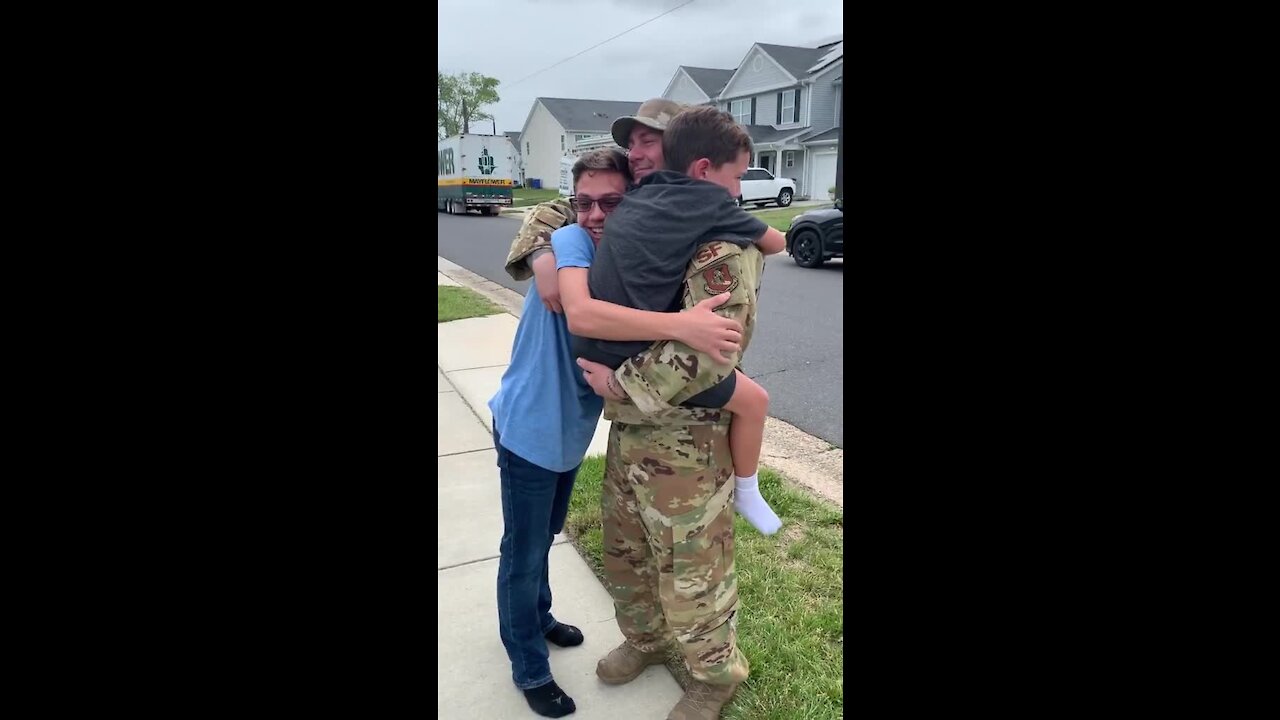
(476,172)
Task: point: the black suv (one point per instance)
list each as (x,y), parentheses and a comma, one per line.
(817,236)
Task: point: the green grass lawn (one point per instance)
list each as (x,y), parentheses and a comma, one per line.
(781,218)
(524,197)
(791,626)
(456,303)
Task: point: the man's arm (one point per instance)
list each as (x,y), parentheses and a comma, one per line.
(588,317)
(545,278)
(772,242)
(535,232)
(670,372)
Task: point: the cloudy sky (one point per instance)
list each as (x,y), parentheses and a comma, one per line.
(512,39)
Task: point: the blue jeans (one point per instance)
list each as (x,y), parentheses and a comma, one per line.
(535,502)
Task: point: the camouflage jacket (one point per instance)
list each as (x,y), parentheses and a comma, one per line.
(670,372)
(535,232)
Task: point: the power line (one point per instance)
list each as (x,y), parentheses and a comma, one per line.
(593,47)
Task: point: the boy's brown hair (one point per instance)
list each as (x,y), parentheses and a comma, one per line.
(703,132)
(611,159)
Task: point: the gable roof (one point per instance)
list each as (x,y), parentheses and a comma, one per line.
(710,80)
(588,115)
(767,134)
(831,135)
(795,60)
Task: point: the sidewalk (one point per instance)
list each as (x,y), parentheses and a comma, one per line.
(473,355)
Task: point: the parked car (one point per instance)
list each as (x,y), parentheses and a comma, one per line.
(759,186)
(817,236)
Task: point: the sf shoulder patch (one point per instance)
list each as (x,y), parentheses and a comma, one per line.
(718,279)
(710,254)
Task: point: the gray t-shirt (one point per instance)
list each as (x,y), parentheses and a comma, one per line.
(649,240)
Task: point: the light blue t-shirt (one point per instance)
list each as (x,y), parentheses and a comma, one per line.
(544,411)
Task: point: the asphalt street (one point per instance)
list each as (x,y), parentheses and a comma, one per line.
(796,352)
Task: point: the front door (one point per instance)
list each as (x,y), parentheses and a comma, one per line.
(764,161)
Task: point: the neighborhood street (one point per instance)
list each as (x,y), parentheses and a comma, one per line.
(796,352)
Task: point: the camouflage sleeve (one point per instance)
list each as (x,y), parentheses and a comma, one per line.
(670,372)
(535,232)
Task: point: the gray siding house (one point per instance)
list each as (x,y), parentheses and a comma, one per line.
(696,86)
(788,98)
(555,126)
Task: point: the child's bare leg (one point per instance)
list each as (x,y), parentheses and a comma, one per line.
(749,405)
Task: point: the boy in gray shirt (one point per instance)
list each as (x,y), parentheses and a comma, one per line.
(649,240)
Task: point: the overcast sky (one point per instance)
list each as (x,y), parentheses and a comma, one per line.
(511,39)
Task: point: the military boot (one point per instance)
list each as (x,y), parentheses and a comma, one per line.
(626,662)
(702,701)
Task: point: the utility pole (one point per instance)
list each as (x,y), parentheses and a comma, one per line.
(467,128)
(495,125)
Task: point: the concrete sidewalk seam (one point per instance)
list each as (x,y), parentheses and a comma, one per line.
(463,398)
(465,452)
(562,541)
(469,562)
(477,367)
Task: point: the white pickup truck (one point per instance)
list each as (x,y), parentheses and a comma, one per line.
(760,187)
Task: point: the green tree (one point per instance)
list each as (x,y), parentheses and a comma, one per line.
(454,92)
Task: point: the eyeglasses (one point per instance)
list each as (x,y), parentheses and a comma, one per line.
(583,203)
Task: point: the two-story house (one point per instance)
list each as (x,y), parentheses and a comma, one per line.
(822,143)
(556,125)
(690,86)
(788,98)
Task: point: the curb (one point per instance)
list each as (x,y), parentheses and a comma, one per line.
(806,460)
(774,207)
(509,300)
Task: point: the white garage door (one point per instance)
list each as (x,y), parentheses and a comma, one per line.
(824,174)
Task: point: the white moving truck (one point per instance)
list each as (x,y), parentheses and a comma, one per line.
(476,172)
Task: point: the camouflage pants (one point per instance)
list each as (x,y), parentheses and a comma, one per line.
(668,544)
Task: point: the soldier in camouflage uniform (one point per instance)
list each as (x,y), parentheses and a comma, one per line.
(668,500)
(668,487)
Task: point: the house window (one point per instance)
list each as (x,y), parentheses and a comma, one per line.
(741,111)
(788,100)
(791,158)
(561,143)
(526,148)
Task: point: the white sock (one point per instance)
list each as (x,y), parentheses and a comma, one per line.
(751,505)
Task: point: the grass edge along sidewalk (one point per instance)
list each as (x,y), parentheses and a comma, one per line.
(792,590)
(780,218)
(458,303)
